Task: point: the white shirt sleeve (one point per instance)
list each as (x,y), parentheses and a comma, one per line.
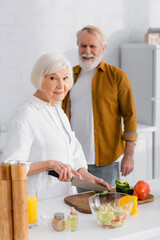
(18,143)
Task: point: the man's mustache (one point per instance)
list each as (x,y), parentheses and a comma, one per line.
(87,55)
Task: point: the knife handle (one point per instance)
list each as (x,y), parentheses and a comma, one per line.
(53,173)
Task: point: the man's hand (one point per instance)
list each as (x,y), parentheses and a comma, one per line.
(127,163)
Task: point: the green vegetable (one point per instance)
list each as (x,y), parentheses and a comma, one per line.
(105,217)
(104,193)
(123,187)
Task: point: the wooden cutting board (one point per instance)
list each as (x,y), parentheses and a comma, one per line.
(80,201)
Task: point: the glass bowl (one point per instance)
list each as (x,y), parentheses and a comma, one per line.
(112,209)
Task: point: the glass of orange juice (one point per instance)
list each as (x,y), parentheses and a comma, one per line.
(32,209)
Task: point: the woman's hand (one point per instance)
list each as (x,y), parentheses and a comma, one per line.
(65,171)
(91,178)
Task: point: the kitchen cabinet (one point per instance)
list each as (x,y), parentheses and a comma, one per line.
(143,155)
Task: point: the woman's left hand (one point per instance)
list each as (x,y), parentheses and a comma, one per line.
(91,178)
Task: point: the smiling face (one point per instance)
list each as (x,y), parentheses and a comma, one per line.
(55,87)
(90,50)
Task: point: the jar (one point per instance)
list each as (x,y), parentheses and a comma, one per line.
(59,222)
(72,220)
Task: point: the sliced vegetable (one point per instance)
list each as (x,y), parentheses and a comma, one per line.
(104,193)
(125,202)
(141,190)
(121,183)
(123,187)
(111,216)
(134,208)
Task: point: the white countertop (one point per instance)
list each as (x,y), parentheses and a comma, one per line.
(144,225)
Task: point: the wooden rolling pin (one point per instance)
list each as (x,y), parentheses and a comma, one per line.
(6,210)
(19,195)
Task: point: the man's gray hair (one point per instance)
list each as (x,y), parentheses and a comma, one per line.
(93,30)
(48,64)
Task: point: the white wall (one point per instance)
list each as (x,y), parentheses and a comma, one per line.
(30,28)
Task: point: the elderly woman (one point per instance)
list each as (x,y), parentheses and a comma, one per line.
(40,134)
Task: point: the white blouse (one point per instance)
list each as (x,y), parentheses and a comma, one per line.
(41,132)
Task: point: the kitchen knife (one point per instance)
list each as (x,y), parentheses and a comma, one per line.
(81,183)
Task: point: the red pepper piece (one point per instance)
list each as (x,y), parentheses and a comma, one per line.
(141,190)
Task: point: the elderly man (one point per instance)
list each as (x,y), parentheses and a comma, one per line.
(100,98)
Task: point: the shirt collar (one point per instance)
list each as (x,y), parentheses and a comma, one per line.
(38,103)
(101,65)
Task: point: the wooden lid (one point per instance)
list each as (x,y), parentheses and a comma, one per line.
(5,171)
(18,172)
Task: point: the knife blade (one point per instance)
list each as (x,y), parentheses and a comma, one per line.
(81,183)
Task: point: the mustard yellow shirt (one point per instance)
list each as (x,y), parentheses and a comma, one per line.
(112,98)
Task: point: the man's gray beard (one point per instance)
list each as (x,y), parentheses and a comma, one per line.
(88,66)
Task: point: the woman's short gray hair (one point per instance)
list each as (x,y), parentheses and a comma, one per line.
(94,30)
(48,64)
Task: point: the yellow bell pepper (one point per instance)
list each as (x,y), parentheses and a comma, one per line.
(134,208)
(126,200)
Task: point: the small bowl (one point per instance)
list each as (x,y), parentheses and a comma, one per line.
(108,210)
